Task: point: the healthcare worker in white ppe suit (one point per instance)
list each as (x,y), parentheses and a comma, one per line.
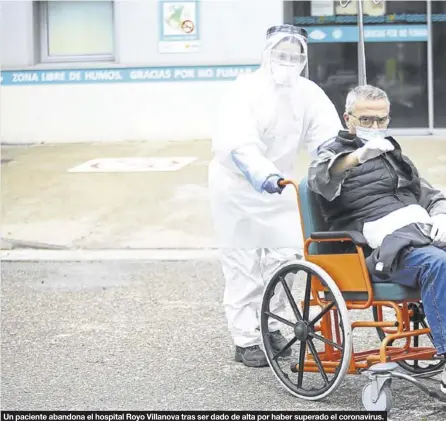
(267,116)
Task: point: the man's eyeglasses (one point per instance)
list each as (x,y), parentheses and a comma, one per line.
(367,121)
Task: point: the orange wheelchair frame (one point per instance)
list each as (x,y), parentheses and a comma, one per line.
(338,283)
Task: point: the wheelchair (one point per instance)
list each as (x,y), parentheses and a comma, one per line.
(320,321)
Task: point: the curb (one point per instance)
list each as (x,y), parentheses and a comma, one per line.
(30,255)
(12,244)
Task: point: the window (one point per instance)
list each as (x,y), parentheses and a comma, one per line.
(397,66)
(400,68)
(334,67)
(439,52)
(344,12)
(76,31)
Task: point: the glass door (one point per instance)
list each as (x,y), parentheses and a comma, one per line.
(396,37)
(439,62)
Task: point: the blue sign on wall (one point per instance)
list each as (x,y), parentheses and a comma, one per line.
(126,75)
(372,33)
(403,18)
(316,34)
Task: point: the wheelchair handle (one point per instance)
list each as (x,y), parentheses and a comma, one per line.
(285,182)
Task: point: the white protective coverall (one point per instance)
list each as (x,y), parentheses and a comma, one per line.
(263,123)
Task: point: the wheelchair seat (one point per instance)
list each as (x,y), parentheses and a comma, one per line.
(384,291)
(313,221)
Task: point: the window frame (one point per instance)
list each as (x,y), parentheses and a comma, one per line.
(45,57)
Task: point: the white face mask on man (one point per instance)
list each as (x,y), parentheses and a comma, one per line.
(367,134)
(375,143)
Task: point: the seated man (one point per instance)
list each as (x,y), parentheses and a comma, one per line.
(364,183)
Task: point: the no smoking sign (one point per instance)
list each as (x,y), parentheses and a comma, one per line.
(187,26)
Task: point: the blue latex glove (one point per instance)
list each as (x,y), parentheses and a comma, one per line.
(253,164)
(271,184)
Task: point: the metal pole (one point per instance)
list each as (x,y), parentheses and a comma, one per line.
(430,69)
(362,72)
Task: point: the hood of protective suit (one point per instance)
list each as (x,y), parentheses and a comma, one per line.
(285,55)
(267,106)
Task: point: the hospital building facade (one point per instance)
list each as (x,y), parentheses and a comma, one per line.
(84,71)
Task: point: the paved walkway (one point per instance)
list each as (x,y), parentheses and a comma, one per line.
(45,205)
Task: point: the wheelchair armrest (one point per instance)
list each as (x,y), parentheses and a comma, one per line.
(356,237)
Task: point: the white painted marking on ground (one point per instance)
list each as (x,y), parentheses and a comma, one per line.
(134,164)
(98,255)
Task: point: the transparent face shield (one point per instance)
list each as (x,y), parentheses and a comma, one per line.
(285,58)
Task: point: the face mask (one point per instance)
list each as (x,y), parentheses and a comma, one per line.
(367,134)
(285,74)
(285,57)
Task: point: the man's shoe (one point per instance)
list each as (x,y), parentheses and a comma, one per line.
(443,381)
(252,356)
(278,342)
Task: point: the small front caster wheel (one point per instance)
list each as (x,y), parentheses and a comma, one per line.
(384,402)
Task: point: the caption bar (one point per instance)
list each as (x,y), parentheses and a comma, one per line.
(193,416)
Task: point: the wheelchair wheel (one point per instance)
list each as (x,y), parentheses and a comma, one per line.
(319,336)
(417,320)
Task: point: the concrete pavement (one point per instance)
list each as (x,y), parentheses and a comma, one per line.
(45,206)
(135,335)
(147,336)
(43,203)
